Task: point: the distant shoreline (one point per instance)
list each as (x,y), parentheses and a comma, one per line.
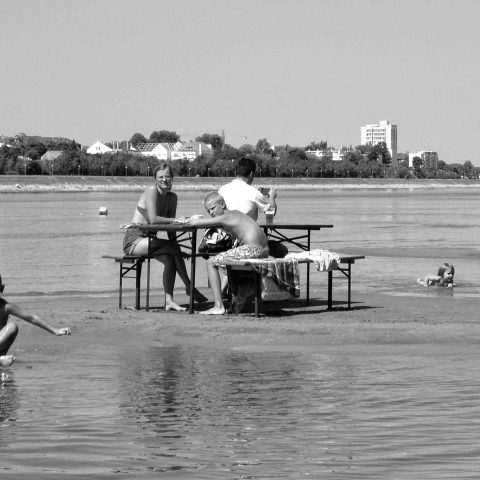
(47,183)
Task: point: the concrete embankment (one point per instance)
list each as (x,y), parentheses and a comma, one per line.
(54,183)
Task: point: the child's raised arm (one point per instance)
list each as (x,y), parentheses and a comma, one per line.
(35,320)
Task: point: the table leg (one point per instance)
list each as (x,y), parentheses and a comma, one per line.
(193,269)
(308,270)
(258,293)
(147,306)
(330,281)
(138,277)
(120,286)
(349,284)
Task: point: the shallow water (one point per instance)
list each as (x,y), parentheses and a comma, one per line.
(52,243)
(152,411)
(92,407)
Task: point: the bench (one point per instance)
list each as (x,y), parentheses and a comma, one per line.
(129,264)
(131,267)
(344,267)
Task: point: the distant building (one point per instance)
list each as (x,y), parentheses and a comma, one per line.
(98,147)
(192,149)
(316,153)
(402,159)
(430,159)
(376,133)
(152,149)
(4,143)
(337,154)
(51,155)
(175,151)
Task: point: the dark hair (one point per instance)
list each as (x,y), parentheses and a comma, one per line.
(2,286)
(162,166)
(245,166)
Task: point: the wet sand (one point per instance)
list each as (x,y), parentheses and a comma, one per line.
(374,319)
(385,390)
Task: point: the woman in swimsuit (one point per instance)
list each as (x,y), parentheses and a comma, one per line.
(158,205)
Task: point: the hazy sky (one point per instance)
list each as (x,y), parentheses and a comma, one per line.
(290,71)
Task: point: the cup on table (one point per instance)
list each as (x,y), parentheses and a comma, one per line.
(269,214)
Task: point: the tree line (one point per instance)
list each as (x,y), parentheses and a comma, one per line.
(22,155)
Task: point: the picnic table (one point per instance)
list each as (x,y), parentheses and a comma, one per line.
(298,235)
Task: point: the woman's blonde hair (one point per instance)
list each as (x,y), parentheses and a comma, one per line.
(162,166)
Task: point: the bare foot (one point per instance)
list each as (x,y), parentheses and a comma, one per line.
(214,311)
(6,360)
(173,306)
(197,296)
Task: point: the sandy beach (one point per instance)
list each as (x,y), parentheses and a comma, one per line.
(373,319)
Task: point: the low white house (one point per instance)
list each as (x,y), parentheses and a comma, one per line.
(175,151)
(160,151)
(98,147)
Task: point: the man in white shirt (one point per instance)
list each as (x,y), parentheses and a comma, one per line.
(240,195)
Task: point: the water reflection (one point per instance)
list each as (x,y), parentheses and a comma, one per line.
(227,411)
(285,415)
(350,411)
(8,406)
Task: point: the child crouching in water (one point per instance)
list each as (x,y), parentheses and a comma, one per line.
(9,328)
(443,278)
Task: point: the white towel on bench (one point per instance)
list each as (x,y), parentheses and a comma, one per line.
(324,260)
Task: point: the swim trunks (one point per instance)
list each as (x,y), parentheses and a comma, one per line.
(240,253)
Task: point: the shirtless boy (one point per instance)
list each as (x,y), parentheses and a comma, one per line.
(250,242)
(9,328)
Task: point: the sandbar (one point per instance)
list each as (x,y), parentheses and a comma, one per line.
(374,319)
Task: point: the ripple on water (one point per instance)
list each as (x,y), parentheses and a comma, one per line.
(362,412)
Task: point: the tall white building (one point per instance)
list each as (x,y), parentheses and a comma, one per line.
(383,131)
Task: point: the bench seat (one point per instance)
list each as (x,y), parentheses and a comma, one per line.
(344,267)
(129,264)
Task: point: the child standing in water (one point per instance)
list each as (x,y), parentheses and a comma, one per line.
(9,328)
(443,278)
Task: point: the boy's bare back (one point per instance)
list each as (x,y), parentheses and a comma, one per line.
(241,226)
